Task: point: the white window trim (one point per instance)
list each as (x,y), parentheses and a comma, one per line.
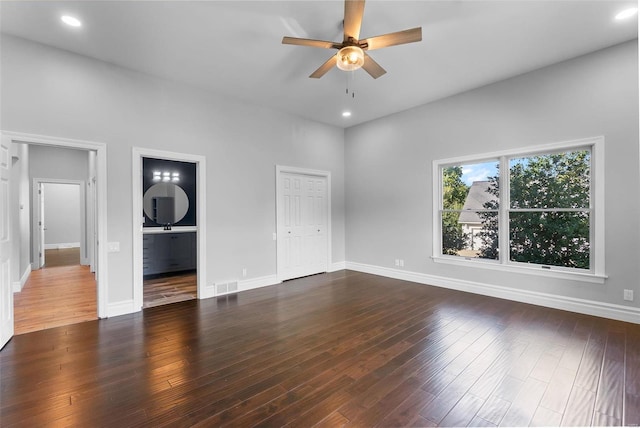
(597,272)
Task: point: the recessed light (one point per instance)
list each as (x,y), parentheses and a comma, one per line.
(346,114)
(71,21)
(627,13)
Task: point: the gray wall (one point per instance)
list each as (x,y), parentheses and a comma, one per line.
(62,214)
(388,165)
(56,93)
(58,163)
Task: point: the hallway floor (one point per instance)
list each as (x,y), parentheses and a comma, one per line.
(61,293)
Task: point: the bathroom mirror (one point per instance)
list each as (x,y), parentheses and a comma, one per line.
(165,203)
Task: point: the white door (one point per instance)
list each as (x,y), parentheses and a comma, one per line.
(6,291)
(302,225)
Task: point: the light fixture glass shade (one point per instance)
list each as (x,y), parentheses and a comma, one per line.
(350,58)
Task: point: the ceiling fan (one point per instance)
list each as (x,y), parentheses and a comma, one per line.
(351,51)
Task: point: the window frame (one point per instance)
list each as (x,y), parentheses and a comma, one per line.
(596,272)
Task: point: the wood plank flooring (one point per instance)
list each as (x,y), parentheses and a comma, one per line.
(164,289)
(340,349)
(59,294)
(62,257)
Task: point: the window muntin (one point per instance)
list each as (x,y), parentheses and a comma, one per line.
(544,218)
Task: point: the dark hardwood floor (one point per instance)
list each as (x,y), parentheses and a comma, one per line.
(329,350)
(170,288)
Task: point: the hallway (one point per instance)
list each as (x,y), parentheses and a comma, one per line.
(61,293)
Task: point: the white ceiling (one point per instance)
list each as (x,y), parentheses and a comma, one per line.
(234,47)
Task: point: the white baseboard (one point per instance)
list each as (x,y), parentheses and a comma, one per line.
(263,281)
(588,307)
(61,245)
(17,285)
(121,308)
(334,267)
(243,285)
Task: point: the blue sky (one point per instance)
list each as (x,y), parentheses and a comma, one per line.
(479,172)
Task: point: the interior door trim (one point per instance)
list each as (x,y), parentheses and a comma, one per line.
(201,215)
(101,196)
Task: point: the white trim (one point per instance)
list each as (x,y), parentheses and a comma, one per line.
(19,285)
(121,308)
(334,267)
(303,171)
(588,307)
(597,272)
(138,230)
(61,245)
(262,281)
(35,203)
(101,191)
(523,268)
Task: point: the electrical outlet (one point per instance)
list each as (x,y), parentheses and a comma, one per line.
(244,272)
(397,262)
(401,263)
(628,295)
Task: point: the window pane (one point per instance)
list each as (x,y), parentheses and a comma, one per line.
(470,234)
(559,180)
(472,187)
(550,238)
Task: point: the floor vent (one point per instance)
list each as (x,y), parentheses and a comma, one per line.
(226,287)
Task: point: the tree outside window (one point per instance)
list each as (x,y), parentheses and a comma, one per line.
(548,209)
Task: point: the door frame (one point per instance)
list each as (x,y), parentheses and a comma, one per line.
(100,150)
(138,219)
(84,244)
(281,169)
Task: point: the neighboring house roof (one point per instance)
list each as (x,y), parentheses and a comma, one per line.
(476,198)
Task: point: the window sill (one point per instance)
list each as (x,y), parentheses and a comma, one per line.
(537,270)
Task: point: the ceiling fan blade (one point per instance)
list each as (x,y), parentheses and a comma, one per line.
(392,39)
(322,70)
(353,11)
(372,67)
(310,42)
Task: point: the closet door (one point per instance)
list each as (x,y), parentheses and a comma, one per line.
(302,225)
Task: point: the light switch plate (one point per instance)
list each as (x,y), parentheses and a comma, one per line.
(113,247)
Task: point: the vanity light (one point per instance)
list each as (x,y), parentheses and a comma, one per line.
(175,176)
(156,176)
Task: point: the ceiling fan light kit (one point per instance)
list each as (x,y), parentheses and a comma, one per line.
(351,52)
(350,58)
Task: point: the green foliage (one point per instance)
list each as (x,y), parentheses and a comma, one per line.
(560,180)
(454,193)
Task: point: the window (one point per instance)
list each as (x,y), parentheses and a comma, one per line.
(534,208)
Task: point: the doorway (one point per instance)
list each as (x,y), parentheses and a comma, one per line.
(60,226)
(168,231)
(303,222)
(22,238)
